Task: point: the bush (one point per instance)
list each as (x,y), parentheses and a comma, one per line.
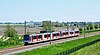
(10,32)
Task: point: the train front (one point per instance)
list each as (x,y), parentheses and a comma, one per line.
(26,39)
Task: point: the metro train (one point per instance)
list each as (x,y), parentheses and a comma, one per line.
(41,37)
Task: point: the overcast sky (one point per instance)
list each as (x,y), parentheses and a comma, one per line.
(55,10)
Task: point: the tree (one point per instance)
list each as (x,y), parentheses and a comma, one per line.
(96,26)
(87,28)
(99,26)
(81,29)
(57,24)
(9,31)
(46,26)
(53,27)
(90,26)
(63,24)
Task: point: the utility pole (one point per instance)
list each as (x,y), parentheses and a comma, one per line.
(25,27)
(84,29)
(50,32)
(67,26)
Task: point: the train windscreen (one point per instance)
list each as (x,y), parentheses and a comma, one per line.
(26,38)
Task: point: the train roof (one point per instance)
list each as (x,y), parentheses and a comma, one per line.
(53,32)
(68,31)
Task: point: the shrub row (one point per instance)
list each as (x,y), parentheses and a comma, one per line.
(11,42)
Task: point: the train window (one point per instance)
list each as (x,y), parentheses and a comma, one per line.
(40,36)
(34,37)
(63,33)
(45,36)
(76,31)
(26,37)
(48,35)
(71,32)
(54,34)
(67,33)
(57,34)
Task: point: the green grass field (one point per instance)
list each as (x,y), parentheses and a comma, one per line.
(89,50)
(56,48)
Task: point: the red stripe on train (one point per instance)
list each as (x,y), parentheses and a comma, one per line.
(36,37)
(52,36)
(47,36)
(41,37)
(32,38)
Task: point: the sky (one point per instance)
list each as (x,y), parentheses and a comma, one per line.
(54,10)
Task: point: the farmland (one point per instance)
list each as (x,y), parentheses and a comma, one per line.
(20,29)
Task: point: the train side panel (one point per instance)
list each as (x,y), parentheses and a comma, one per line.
(33,38)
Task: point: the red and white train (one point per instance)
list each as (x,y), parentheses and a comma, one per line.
(35,38)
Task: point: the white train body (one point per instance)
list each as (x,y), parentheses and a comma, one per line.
(34,38)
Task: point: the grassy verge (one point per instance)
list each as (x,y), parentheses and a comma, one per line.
(4,45)
(8,46)
(56,48)
(89,50)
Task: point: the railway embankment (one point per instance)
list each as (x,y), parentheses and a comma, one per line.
(56,48)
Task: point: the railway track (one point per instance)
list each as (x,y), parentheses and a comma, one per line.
(19,49)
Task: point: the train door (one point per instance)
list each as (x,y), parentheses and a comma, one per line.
(76,32)
(54,36)
(63,34)
(46,36)
(66,34)
(71,33)
(58,35)
(34,39)
(37,38)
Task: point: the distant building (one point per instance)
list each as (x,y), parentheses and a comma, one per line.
(37,23)
(96,22)
(34,23)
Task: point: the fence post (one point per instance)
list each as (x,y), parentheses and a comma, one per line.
(66,52)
